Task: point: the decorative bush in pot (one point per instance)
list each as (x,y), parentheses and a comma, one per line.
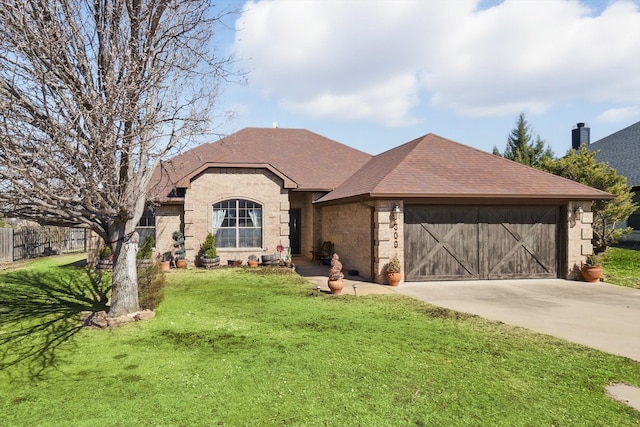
(335,275)
(252,261)
(592,270)
(208,253)
(179,251)
(393,271)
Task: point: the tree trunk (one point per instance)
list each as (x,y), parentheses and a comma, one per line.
(124,289)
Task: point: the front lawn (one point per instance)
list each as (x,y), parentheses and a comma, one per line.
(252,347)
(622,266)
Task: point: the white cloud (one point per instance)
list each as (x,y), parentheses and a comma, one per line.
(376,60)
(617,115)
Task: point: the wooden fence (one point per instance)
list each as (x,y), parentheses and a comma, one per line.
(25,243)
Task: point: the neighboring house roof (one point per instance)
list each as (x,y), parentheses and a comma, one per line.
(621,151)
(435,167)
(303,159)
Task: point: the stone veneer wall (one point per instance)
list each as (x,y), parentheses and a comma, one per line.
(388,237)
(168,219)
(348,226)
(218,184)
(579,235)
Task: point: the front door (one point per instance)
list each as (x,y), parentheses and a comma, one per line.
(294,230)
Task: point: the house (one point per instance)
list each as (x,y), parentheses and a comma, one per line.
(621,151)
(448,211)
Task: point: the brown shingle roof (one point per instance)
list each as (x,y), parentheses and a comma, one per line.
(303,159)
(435,167)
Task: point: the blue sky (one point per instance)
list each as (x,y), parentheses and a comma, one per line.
(374,74)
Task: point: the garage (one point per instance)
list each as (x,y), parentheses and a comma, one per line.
(481,242)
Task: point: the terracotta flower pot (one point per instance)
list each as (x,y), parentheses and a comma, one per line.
(335,286)
(591,273)
(181,263)
(394,278)
(164,265)
(252,263)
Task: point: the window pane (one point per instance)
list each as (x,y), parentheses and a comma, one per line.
(225,238)
(237,223)
(250,237)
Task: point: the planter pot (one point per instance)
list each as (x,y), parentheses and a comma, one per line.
(335,286)
(394,278)
(591,273)
(181,263)
(164,265)
(210,262)
(104,264)
(252,263)
(234,262)
(270,260)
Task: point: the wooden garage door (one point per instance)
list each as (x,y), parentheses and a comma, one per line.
(480,242)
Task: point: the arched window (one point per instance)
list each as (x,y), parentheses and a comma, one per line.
(237,224)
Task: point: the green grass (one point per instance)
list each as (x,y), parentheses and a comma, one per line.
(235,347)
(622,267)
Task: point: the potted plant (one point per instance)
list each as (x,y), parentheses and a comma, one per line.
(179,251)
(252,261)
(392,270)
(288,260)
(209,255)
(164,260)
(335,275)
(146,251)
(105,258)
(592,270)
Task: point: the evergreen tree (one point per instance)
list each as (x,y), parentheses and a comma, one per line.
(521,146)
(583,167)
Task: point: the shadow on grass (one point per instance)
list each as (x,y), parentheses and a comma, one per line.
(40,310)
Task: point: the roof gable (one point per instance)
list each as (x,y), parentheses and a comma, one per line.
(435,167)
(303,159)
(621,151)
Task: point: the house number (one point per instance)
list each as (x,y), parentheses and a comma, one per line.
(395,236)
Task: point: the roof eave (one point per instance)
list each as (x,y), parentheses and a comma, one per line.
(185,182)
(603,196)
(553,198)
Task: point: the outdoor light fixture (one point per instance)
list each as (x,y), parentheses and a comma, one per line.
(318,290)
(355,289)
(577,213)
(394,214)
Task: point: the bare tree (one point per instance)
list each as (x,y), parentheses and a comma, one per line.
(93,93)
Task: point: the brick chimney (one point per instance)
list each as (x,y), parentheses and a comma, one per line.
(580,135)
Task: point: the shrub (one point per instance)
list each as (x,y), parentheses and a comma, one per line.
(393,266)
(151,284)
(178,244)
(146,250)
(105,252)
(208,247)
(335,273)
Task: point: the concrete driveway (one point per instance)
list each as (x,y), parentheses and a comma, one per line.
(599,315)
